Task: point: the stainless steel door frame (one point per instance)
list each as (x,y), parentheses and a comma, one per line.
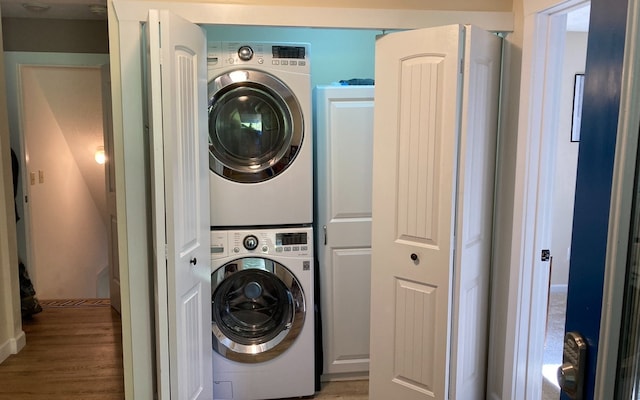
(257,303)
(256,126)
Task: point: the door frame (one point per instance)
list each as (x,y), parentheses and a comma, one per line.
(524,314)
(131,147)
(15,60)
(125,23)
(537,117)
(134,206)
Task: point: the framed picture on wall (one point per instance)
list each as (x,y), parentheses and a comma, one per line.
(578,89)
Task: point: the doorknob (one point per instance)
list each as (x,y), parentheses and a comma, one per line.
(193,261)
(414,258)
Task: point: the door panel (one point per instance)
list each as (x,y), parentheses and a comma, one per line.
(475,213)
(177,72)
(344,118)
(415,131)
(600,110)
(435,130)
(348,344)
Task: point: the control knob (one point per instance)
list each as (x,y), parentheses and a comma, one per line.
(250,242)
(245,53)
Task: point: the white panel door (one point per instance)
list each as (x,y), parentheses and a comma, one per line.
(344,121)
(474,214)
(178,119)
(417,123)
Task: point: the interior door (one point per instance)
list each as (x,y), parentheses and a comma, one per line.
(110,185)
(428,112)
(474,213)
(600,111)
(178,122)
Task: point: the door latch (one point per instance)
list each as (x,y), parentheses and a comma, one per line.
(545,255)
(571,372)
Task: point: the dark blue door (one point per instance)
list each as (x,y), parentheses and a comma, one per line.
(601,103)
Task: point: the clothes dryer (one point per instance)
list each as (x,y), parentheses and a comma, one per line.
(262,321)
(260,140)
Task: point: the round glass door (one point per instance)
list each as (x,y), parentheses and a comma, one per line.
(256,303)
(255,126)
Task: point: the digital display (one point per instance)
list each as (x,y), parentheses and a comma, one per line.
(288,239)
(297,52)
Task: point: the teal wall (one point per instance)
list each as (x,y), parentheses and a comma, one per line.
(335,54)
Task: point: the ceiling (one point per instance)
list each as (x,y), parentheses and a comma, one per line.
(54,9)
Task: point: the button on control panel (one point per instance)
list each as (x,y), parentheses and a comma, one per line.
(250,242)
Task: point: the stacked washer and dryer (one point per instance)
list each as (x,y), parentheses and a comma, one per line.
(261,183)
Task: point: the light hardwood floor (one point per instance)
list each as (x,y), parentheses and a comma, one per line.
(75,352)
(71,353)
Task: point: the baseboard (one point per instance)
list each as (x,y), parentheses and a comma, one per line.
(20,342)
(12,346)
(352,376)
(558,288)
(5,351)
(493,396)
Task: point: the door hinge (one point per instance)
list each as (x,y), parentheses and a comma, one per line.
(545,255)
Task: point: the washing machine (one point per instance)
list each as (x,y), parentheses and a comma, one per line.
(260,136)
(262,319)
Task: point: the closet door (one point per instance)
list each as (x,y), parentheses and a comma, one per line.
(344,146)
(474,214)
(180,178)
(420,184)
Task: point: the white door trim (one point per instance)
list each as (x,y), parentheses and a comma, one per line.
(524,377)
(317,17)
(531,222)
(124,19)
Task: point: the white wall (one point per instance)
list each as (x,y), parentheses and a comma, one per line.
(566,160)
(62,126)
(67,250)
(12,338)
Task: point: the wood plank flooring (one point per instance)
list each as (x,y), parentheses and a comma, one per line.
(71,353)
(344,390)
(74,351)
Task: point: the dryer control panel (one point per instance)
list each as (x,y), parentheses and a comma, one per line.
(286,242)
(292,57)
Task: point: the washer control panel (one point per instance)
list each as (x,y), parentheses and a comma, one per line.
(286,242)
(292,57)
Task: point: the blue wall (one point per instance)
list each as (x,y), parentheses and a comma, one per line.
(335,54)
